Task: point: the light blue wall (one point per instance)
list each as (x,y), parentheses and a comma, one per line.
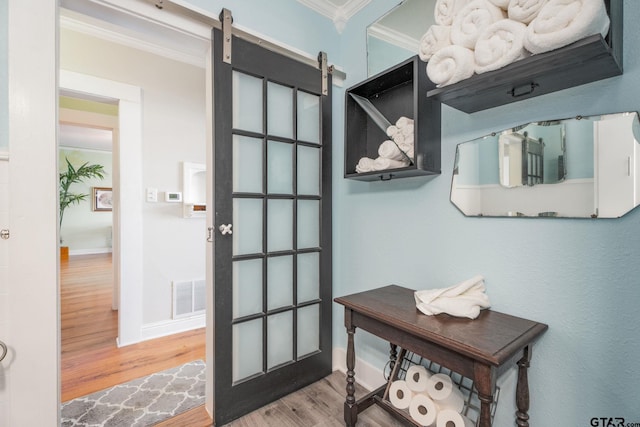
(581,277)
(4,133)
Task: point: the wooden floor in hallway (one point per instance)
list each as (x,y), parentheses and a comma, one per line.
(91,360)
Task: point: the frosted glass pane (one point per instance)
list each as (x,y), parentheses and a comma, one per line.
(247,349)
(308,277)
(308,170)
(247,164)
(279,225)
(279,339)
(308,224)
(247,102)
(279,282)
(308,117)
(308,330)
(247,226)
(247,287)
(279,110)
(280,168)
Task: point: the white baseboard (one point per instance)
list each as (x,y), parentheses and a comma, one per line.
(89,251)
(170,327)
(367,375)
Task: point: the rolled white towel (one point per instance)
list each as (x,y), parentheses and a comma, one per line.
(390,150)
(502,4)
(392,130)
(450,65)
(499,45)
(525,10)
(365,164)
(446,10)
(407,130)
(436,37)
(562,22)
(403,121)
(381,163)
(472,20)
(407,148)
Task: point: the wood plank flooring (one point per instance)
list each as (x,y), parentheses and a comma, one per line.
(91,361)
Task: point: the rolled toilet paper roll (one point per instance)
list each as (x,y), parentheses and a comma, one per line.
(445,393)
(417,378)
(423,410)
(451,418)
(400,394)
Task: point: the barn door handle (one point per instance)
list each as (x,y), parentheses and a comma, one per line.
(3,349)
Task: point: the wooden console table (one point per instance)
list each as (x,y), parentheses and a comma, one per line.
(480,349)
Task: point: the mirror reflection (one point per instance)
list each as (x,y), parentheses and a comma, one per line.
(579,168)
(396,36)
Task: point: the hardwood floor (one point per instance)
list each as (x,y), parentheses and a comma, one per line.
(91,361)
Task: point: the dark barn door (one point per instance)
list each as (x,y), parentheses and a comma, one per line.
(272,220)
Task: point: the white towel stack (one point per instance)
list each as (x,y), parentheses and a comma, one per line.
(476,36)
(393,153)
(465,299)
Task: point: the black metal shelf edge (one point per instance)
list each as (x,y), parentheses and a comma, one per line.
(584,61)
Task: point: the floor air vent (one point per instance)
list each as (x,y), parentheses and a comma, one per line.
(189,298)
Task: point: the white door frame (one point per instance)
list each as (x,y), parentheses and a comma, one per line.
(127,228)
(31,371)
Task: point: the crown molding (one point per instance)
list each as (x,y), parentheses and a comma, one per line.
(394,37)
(101,30)
(338,14)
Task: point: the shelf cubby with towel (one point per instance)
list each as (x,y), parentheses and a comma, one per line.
(588,60)
(374,104)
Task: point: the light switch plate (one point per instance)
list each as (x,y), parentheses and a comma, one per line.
(152,194)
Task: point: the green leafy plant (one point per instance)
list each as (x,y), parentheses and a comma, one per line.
(73,176)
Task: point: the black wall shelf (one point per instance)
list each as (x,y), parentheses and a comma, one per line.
(588,60)
(396,92)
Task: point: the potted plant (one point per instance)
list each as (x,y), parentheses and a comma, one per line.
(72,176)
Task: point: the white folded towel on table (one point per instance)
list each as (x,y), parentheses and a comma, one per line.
(390,150)
(499,45)
(446,10)
(465,299)
(525,10)
(471,21)
(562,22)
(436,37)
(450,65)
(365,164)
(381,163)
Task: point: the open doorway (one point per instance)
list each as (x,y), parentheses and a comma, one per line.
(161,125)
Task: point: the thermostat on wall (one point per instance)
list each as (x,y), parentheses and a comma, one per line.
(172,196)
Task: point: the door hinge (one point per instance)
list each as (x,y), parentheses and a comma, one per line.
(227,20)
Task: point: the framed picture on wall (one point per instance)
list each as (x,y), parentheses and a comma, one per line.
(102,199)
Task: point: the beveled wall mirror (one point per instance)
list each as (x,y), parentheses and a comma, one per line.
(396,36)
(584,167)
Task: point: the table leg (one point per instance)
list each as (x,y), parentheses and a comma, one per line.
(350,407)
(485,384)
(522,389)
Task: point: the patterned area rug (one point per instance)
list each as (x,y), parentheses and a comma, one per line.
(142,402)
